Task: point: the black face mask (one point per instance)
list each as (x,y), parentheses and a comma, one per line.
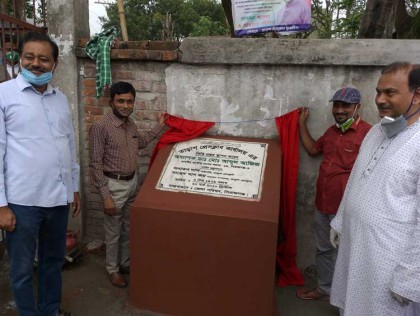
(117,113)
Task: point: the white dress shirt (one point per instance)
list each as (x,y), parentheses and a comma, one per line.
(37,148)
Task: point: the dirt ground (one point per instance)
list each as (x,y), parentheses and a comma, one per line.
(87,292)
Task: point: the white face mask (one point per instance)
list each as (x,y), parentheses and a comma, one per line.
(13,70)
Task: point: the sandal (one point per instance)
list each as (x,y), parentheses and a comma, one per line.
(312,294)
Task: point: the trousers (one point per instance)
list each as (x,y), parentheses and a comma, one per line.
(326,254)
(117,227)
(48,226)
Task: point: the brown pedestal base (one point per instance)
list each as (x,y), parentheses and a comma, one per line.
(197,255)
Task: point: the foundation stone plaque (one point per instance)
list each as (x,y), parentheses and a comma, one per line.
(232,169)
(203,229)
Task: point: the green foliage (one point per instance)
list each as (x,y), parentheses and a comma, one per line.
(169,19)
(413,9)
(342,18)
(25,8)
(337,18)
(206,27)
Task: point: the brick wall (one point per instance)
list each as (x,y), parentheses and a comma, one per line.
(142,64)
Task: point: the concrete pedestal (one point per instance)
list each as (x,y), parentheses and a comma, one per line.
(196,255)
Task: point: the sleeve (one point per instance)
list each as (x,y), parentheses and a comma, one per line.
(97,140)
(405,280)
(151,134)
(3,199)
(319,143)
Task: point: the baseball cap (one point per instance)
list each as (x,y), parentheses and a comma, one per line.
(348,95)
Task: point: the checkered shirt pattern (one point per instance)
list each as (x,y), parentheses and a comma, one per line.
(99,48)
(114,146)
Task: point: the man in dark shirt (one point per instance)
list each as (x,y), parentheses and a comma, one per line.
(114,144)
(340,146)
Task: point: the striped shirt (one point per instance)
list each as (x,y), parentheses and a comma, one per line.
(114,146)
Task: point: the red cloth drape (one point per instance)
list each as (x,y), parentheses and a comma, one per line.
(287,127)
(180,130)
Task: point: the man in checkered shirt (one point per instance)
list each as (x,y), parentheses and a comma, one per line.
(114,144)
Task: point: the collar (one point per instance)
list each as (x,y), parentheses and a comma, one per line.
(355,123)
(118,121)
(352,126)
(23,84)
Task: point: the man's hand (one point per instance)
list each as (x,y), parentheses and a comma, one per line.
(401,300)
(303,116)
(161,119)
(109,207)
(76,204)
(7,219)
(334,238)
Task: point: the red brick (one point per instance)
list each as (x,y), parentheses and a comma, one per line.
(94,110)
(90,101)
(154,55)
(138,54)
(162,45)
(119,53)
(89,72)
(170,55)
(89,82)
(125,75)
(90,64)
(103,101)
(142,86)
(159,87)
(89,91)
(140,105)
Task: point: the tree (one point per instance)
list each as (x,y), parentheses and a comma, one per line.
(24,9)
(366,18)
(358,18)
(151,20)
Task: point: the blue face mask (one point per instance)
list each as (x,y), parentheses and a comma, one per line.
(37,80)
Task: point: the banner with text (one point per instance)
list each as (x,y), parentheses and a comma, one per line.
(258,16)
(224,168)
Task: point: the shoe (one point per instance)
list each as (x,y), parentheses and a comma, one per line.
(63,313)
(312,294)
(125,270)
(117,279)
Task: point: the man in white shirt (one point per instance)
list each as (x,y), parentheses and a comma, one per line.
(39,176)
(377,271)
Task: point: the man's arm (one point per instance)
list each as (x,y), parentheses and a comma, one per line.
(406,276)
(97,150)
(152,133)
(75,171)
(308,142)
(7,217)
